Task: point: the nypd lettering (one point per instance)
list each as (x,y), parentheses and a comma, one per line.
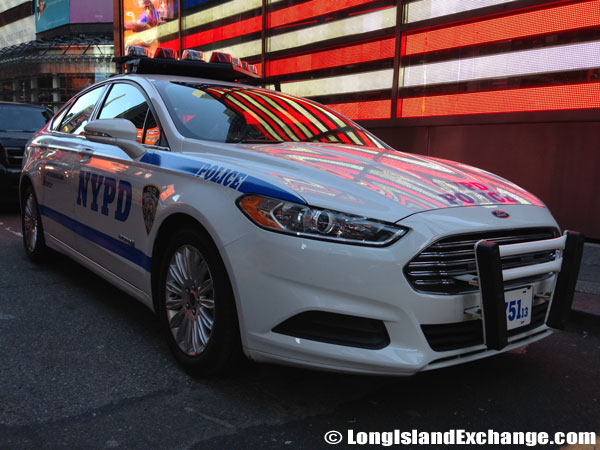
(221,175)
(104,191)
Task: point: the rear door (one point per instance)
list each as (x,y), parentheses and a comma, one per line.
(112,190)
(61,149)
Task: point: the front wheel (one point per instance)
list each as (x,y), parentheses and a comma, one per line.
(32,229)
(196,305)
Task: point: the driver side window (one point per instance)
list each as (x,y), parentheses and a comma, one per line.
(125,101)
(79,114)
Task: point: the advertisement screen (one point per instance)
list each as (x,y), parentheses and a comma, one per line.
(89,11)
(150,23)
(50,14)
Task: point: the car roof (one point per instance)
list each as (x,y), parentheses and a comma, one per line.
(29,105)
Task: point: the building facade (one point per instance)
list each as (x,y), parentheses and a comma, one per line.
(511,86)
(51,49)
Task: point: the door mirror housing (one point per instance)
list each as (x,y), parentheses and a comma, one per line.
(119,132)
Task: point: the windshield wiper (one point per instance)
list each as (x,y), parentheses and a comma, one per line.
(251,141)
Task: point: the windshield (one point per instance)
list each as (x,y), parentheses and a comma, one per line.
(22,118)
(246,114)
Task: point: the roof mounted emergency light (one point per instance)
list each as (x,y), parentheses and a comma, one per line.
(221,57)
(192,55)
(163,52)
(136,50)
(222,66)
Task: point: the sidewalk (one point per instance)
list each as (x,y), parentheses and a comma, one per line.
(587,291)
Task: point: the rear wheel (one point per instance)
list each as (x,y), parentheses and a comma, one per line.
(196,305)
(32,229)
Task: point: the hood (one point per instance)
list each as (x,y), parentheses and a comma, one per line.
(379,183)
(20,137)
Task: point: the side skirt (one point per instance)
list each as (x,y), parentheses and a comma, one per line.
(109,276)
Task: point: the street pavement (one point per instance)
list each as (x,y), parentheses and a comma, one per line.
(83,366)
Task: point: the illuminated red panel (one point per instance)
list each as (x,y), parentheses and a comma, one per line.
(573,96)
(551,20)
(376,109)
(309,10)
(236,29)
(352,54)
(277,18)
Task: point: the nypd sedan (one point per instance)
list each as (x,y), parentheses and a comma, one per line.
(263,225)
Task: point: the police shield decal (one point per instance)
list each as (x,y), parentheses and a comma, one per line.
(150,196)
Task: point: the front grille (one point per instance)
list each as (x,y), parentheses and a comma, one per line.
(452,336)
(437,268)
(14,157)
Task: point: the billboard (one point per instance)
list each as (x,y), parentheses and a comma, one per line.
(50,14)
(147,22)
(89,11)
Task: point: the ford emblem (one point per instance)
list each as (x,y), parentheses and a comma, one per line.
(501,214)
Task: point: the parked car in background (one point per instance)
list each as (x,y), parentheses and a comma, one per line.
(18,122)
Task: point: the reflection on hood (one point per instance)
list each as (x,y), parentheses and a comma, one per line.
(416,182)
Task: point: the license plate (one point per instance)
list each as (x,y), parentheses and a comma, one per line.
(518,307)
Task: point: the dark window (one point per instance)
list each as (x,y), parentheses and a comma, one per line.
(22,118)
(80,112)
(59,118)
(127,102)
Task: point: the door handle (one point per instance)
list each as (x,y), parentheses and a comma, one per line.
(85,154)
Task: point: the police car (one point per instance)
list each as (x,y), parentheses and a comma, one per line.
(260,224)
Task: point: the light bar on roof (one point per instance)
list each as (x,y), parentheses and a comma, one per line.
(192,55)
(136,50)
(527,62)
(554,19)
(225,58)
(428,9)
(162,52)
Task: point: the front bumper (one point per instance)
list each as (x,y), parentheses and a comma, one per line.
(276,277)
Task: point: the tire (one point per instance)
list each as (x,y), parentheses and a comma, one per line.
(32,228)
(196,306)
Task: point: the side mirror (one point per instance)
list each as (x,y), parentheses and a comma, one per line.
(119,132)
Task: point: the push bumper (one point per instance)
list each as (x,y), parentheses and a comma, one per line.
(491,280)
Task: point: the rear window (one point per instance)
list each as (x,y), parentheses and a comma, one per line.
(22,118)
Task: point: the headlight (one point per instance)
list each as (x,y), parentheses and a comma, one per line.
(306,221)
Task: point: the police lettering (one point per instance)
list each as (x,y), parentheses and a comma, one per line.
(221,175)
(478,192)
(110,190)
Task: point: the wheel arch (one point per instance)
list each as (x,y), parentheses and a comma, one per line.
(24,183)
(173,222)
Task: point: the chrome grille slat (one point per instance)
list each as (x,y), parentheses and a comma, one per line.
(499,240)
(434,269)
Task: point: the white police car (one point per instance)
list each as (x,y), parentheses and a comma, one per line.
(253,221)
